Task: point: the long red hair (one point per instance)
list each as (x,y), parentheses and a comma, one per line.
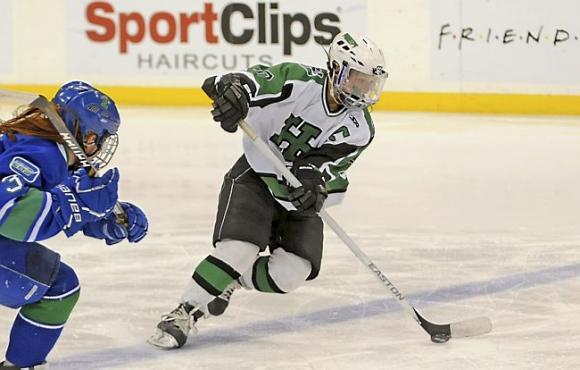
(31,121)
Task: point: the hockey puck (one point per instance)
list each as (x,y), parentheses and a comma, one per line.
(440,338)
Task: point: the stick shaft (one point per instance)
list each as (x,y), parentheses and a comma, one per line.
(17,96)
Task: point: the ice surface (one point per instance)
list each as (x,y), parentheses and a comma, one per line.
(467,215)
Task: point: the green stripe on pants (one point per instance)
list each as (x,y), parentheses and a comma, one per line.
(51,311)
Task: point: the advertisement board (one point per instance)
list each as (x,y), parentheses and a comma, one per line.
(516,41)
(6,37)
(177,38)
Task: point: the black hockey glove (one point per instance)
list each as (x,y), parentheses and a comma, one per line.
(309,198)
(230,101)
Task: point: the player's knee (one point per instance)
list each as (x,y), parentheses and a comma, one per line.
(237,254)
(287,270)
(65,282)
(57,304)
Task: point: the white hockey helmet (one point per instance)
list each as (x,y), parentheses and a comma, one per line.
(357,70)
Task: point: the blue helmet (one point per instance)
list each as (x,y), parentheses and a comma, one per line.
(93,111)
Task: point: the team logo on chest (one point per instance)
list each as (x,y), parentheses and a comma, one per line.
(294,138)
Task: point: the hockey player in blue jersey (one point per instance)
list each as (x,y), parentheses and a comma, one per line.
(43,192)
(319,123)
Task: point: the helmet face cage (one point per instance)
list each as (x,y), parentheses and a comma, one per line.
(357,70)
(107,145)
(87,109)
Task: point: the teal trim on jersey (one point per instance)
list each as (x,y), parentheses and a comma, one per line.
(23,215)
(51,311)
(272,79)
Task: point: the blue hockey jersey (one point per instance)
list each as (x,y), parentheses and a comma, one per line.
(29,168)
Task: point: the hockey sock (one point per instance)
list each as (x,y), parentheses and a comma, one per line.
(214,275)
(38,325)
(280,272)
(261,278)
(218,270)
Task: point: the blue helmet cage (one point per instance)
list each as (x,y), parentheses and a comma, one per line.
(85,110)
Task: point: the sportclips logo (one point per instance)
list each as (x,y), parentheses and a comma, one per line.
(250,24)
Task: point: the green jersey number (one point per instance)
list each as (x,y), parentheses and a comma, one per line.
(294,137)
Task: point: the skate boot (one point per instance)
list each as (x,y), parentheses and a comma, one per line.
(221,302)
(174,327)
(5,365)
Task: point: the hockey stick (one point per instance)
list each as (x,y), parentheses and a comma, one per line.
(17,96)
(42,103)
(440,333)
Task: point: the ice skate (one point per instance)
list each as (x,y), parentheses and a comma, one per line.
(4,365)
(221,302)
(174,327)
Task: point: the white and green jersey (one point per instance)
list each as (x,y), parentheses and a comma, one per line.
(288,110)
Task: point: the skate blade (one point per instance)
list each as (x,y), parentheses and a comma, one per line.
(163,340)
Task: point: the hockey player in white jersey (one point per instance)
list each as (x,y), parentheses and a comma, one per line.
(318,122)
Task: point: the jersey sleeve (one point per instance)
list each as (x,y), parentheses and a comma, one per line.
(274,84)
(342,147)
(333,161)
(29,168)
(270,84)
(25,212)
